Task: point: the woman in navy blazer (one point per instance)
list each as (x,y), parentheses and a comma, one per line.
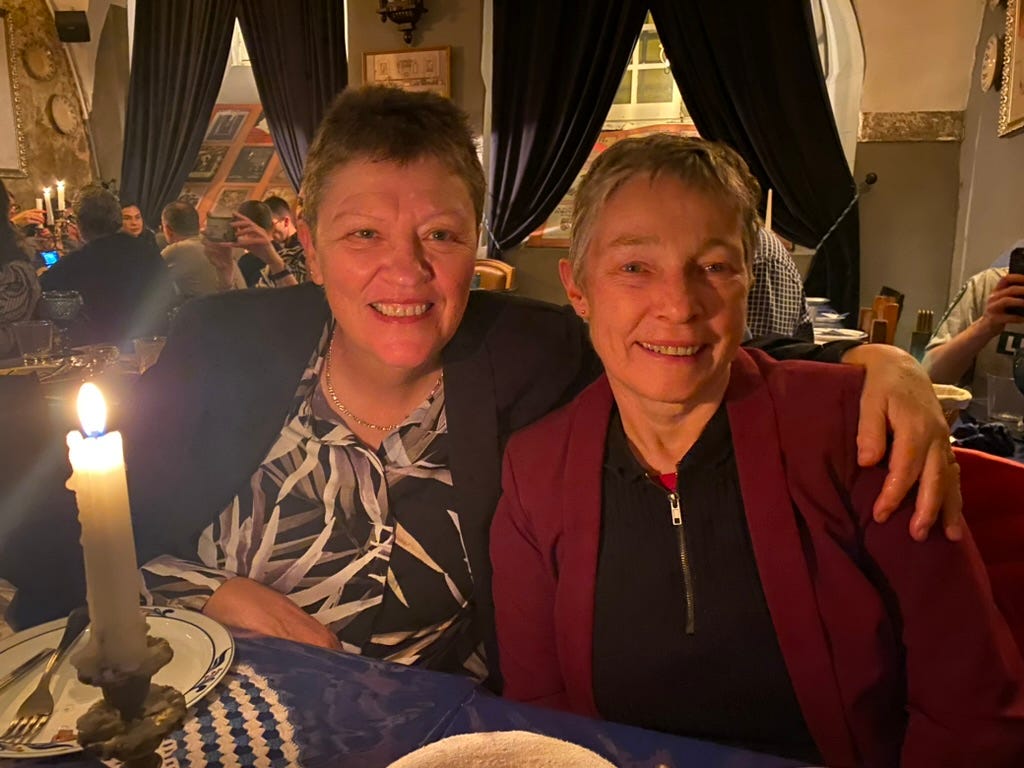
(868,664)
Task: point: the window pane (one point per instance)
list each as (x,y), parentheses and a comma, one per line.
(649,45)
(653,85)
(625,92)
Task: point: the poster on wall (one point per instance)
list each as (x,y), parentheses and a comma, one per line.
(250,164)
(1011,97)
(207,162)
(224,124)
(415,69)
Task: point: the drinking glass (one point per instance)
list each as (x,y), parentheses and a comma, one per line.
(1005,403)
(63,308)
(147,350)
(35,340)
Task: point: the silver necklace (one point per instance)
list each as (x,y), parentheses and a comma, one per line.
(346,412)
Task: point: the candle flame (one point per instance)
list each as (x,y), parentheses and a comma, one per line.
(46,191)
(60,185)
(92,409)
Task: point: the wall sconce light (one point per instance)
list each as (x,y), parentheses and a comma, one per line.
(402,12)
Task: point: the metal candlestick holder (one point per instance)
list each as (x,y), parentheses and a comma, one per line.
(133,717)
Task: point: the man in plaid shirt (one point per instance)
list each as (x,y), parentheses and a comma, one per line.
(776,303)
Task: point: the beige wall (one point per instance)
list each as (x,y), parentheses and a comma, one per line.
(917,53)
(992,179)
(456,23)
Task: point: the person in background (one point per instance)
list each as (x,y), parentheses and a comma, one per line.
(124,284)
(978,335)
(776,303)
(19,287)
(185,255)
(688,545)
(261,264)
(286,237)
(133,224)
(322,462)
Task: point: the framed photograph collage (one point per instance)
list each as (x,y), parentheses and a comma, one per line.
(236,162)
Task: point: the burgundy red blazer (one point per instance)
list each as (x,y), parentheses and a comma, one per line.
(895,649)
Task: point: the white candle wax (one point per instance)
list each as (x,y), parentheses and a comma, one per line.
(39,203)
(49,206)
(768,212)
(60,195)
(118,629)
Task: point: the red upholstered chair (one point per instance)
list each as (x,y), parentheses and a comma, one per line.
(993,492)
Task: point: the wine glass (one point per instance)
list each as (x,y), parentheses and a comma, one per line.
(63,308)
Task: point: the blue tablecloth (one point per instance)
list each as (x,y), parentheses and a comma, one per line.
(292,705)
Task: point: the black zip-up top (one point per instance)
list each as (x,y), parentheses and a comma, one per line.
(683,640)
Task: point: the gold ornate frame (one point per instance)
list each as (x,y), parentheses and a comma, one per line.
(1011,94)
(12,130)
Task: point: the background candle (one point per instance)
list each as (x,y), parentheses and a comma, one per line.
(118,635)
(60,195)
(49,206)
(39,203)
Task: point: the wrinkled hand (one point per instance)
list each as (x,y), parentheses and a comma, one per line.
(30,217)
(247,604)
(1008,295)
(898,395)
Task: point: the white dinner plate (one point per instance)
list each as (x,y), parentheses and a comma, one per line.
(203,652)
(822,335)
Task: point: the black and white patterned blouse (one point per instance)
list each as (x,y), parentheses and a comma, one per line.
(776,303)
(367,542)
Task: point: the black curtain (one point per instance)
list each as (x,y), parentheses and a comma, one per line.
(554,76)
(299,63)
(180,50)
(750,76)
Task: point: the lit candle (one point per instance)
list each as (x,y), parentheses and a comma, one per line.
(39,203)
(60,195)
(118,635)
(49,206)
(768,212)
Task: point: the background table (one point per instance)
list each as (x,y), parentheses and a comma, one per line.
(329,709)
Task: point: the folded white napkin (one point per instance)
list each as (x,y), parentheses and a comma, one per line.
(501,749)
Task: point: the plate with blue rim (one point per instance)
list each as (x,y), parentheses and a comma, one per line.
(203,653)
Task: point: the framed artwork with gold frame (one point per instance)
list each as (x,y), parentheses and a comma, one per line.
(412,69)
(1011,95)
(13,163)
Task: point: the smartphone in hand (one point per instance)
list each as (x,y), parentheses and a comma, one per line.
(1017,268)
(219,229)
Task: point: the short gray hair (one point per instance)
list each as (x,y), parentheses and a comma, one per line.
(708,166)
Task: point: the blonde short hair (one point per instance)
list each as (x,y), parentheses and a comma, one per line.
(707,166)
(381,124)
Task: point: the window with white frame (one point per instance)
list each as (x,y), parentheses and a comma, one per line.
(648,92)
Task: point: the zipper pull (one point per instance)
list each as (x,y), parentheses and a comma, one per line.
(673,505)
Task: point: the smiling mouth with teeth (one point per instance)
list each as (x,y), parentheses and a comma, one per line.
(671,351)
(401,310)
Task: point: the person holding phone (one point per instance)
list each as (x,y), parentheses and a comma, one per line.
(980,332)
(251,228)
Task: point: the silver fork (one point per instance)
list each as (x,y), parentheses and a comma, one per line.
(35,711)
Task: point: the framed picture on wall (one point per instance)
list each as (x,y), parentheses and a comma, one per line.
(207,162)
(192,194)
(224,124)
(229,198)
(12,138)
(1011,95)
(250,164)
(413,69)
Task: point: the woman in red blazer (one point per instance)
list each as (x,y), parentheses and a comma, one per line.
(687,545)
